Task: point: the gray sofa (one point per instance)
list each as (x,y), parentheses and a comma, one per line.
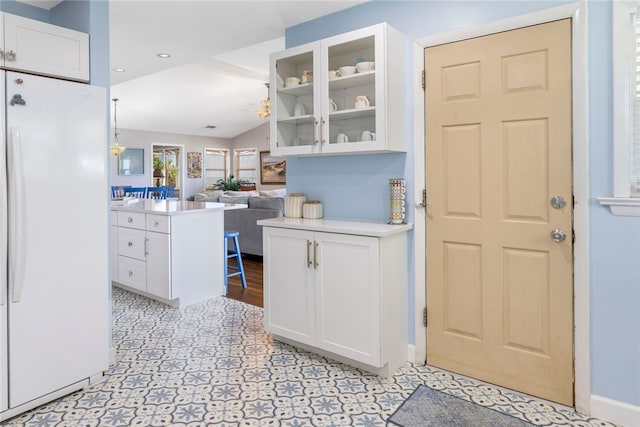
(244,220)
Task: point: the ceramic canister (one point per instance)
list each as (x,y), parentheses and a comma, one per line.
(293,205)
(312,209)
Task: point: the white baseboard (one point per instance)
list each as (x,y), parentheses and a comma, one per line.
(411,353)
(621,413)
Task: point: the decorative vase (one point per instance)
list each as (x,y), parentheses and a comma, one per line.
(397,193)
(312,209)
(293,205)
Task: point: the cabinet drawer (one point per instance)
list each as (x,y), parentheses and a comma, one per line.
(132,272)
(131,243)
(131,219)
(159,223)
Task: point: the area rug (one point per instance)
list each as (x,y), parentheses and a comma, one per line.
(428,407)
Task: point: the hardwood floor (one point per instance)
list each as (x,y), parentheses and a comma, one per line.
(253,272)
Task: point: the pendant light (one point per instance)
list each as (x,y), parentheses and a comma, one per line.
(116,148)
(265,110)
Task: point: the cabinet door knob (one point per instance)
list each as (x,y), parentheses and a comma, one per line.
(130,273)
(10,56)
(130,243)
(156,223)
(129,220)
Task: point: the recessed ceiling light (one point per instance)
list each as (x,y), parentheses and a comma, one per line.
(164,55)
(119,70)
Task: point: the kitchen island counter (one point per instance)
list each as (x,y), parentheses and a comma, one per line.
(169,250)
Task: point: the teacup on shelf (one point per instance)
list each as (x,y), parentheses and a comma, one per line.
(291,81)
(347,70)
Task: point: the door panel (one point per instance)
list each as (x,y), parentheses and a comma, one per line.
(498,147)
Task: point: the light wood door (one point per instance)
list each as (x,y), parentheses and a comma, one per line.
(498,147)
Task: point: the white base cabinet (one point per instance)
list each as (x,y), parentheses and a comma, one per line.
(341,295)
(176,259)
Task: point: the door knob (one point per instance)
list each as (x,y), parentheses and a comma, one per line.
(558,235)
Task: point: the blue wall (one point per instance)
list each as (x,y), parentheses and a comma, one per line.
(356,186)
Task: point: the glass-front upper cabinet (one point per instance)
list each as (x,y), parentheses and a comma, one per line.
(340,95)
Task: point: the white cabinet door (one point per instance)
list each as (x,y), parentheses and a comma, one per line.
(159,264)
(131,243)
(46,49)
(291,133)
(289,301)
(348,296)
(132,272)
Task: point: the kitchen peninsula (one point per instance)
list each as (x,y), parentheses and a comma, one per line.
(169,250)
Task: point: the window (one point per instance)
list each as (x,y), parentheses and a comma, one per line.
(166,166)
(245,164)
(626,109)
(216,166)
(634,151)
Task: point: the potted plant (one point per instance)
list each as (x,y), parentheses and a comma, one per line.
(230,183)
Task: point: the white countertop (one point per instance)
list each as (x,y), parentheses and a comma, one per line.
(343,226)
(174,207)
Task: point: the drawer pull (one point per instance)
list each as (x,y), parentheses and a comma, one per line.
(315,255)
(129,220)
(130,243)
(156,223)
(130,273)
(309,263)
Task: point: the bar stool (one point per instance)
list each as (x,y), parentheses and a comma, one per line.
(231,253)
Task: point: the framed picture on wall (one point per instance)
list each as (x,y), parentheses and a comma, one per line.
(131,162)
(194,165)
(273,169)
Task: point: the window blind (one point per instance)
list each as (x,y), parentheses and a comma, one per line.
(215,166)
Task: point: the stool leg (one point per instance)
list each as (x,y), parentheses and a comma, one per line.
(226,267)
(240,266)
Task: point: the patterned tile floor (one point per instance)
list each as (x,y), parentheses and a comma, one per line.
(212,364)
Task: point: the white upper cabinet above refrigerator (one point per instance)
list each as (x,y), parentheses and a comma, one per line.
(340,95)
(42,48)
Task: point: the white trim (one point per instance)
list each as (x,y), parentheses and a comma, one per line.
(576,11)
(622,122)
(624,206)
(621,203)
(419,213)
(615,411)
(411,353)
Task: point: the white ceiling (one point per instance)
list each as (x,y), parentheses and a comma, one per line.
(218,66)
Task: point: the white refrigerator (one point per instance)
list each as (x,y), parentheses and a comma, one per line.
(54,258)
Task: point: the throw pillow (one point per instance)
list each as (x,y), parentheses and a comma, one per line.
(241,193)
(234,199)
(279,192)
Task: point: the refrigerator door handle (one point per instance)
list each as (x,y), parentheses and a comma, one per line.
(3,221)
(17,239)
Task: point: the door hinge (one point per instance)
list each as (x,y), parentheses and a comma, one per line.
(423,80)
(424,317)
(573,236)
